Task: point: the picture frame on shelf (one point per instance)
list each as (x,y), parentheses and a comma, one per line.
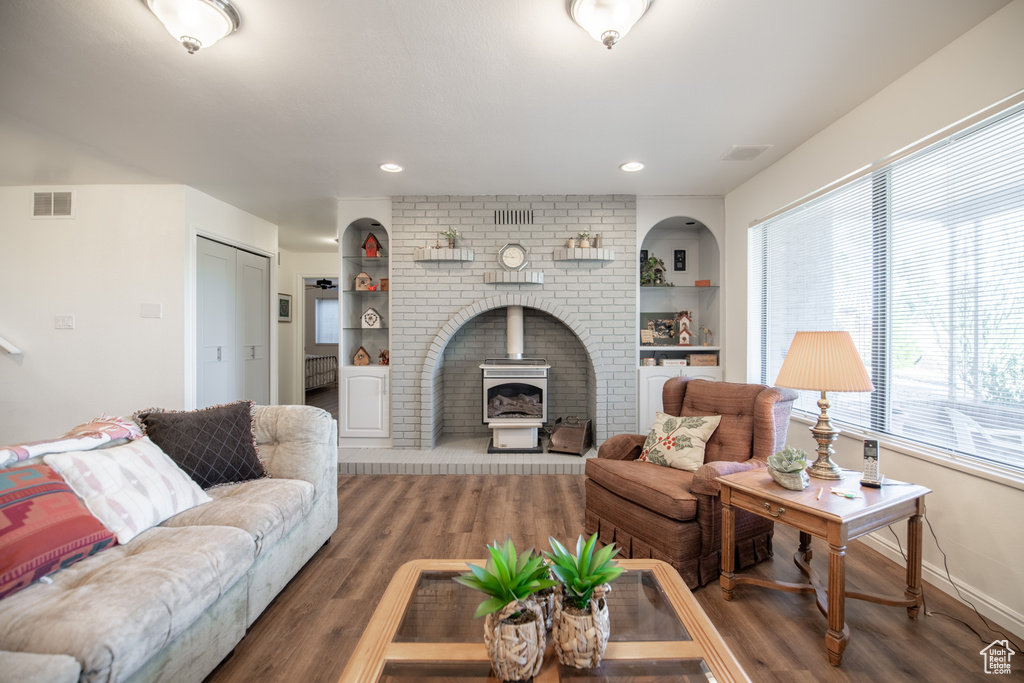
(661,326)
(679,260)
(284,308)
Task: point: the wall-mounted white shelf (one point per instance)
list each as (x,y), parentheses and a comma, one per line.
(442,254)
(577,254)
(514,277)
(9,347)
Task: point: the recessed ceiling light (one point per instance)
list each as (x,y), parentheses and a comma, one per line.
(632,166)
(391,168)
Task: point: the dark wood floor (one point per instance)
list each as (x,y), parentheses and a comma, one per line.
(309,631)
(324,397)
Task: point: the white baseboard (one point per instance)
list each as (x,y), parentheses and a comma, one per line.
(999,614)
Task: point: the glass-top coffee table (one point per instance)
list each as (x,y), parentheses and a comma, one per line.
(424,630)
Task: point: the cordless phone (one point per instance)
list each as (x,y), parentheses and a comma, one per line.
(871,477)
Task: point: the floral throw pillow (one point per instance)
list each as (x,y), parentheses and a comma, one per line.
(679,441)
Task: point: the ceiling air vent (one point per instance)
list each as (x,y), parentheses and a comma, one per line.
(52,205)
(514,217)
(745,152)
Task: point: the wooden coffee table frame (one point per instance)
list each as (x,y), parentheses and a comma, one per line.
(834,519)
(376,647)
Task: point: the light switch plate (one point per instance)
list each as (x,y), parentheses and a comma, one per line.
(152,310)
(64,322)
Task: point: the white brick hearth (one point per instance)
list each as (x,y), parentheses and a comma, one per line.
(447,316)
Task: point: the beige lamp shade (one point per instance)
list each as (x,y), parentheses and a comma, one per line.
(823,361)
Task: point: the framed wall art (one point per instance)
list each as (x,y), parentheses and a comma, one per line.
(284,308)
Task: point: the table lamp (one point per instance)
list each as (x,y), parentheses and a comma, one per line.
(824,361)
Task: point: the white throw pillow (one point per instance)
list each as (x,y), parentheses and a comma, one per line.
(130,488)
(679,441)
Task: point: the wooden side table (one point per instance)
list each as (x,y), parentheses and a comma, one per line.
(834,519)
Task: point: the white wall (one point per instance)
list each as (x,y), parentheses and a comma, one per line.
(973,516)
(125,246)
(294,267)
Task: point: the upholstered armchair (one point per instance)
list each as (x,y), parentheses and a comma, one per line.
(652,511)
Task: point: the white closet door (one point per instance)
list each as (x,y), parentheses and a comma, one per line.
(232,325)
(218,380)
(253,299)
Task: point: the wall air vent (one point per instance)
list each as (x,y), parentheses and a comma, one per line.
(52,205)
(514,217)
(745,152)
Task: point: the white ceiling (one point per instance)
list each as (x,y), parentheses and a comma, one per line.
(300,105)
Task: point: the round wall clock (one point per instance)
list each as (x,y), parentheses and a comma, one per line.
(512,256)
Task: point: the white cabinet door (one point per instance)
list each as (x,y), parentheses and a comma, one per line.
(366,409)
(713,373)
(652,381)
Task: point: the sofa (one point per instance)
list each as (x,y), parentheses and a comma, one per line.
(654,511)
(173,602)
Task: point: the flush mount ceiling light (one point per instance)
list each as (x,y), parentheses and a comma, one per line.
(391,168)
(196,23)
(607,21)
(632,166)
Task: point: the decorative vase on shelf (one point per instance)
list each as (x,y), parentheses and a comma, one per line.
(584,243)
(571,243)
(451,242)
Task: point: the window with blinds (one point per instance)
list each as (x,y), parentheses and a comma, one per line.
(922,262)
(326,321)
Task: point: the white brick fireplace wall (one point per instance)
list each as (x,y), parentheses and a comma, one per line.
(446,320)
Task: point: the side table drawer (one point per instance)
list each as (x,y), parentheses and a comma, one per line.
(780,512)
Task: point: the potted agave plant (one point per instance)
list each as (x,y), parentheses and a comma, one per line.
(514,629)
(788,468)
(580,626)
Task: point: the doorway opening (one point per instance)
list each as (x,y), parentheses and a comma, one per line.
(320,343)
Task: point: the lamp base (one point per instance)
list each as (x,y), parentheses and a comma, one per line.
(825,434)
(824,468)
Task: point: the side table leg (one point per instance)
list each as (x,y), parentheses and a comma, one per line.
(728,554)
(914,591)
(805,545)
(837,635)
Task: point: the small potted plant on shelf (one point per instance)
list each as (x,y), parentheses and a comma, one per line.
(514,629)
(585,240)
(451,234)
(788,468)
(580,626)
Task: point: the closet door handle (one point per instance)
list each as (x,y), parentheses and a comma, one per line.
(218,353)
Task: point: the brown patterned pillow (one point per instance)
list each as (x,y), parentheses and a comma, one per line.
(212,445)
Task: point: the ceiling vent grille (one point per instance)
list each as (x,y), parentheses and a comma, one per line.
(52,205)
(745,152)
(514,217)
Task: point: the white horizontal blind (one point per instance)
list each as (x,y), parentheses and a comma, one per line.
(957,293)
(923,263)
(816,275)
(326,312)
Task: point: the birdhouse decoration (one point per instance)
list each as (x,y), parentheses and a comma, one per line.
(361,357)
(371,319)
(363,282)
(684,319)
(372,246)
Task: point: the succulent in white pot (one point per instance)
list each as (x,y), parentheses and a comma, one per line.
(788,468)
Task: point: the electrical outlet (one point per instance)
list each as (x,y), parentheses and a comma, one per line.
(64,322)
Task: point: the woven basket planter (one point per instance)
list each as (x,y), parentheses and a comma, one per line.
(516,651)
(545,599)
(580,640)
